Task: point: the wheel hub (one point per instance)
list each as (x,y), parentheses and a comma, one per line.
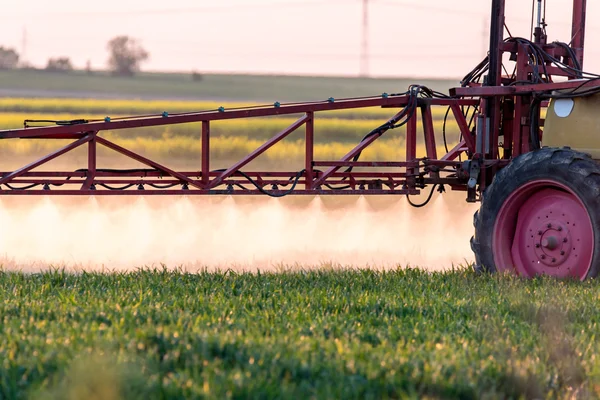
(551,243)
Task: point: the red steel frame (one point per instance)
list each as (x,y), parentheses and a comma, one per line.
(503,112)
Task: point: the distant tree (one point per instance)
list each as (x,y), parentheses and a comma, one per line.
(60,64)
(125,55)
(9,58)
(196,76)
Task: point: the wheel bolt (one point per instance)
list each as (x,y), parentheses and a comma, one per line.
(565,240)
(554,260)
(543,257)
(549,226)
(562,252)
(537,245)
(560,228)
(540,233)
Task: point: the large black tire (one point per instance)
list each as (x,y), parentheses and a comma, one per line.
(573,170)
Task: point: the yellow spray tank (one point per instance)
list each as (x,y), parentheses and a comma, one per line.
(574,122)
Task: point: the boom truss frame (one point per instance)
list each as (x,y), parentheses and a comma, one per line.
(505,117)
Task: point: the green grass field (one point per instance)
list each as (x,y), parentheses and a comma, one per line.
(320,334)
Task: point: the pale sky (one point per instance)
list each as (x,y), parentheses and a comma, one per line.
(433,38)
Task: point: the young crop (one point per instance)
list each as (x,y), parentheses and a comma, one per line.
(325,333)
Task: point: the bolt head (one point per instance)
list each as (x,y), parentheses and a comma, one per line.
(565,240)
(543,257)
(549,226)
(537,245)
(562,252)
(540,233)
(559,228)
(554,260)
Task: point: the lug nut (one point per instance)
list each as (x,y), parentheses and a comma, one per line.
(549,226)
(543,257)
(554,260)
(540,233)
(559,228)
(537,245)
(562,252)
(565,240)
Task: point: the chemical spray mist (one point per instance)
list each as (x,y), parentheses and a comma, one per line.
(257,233)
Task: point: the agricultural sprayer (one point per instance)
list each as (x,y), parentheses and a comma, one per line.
(537,179)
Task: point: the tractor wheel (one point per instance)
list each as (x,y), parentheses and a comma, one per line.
(541,216)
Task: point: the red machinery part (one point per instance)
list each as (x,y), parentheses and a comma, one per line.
(543,228)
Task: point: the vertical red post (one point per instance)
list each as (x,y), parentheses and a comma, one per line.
(205,152)
(494,77)
(92,158)
(411,148)
(309,153)
(496,40)
(91,172)
(520,137)
(578,28)
(429,132)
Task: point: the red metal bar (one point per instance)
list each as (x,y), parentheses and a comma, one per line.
(454,152)
(361,146)
(148,162)
(461,121)
(578,28)
(496,40)
(91,172)
(366,163)
(269,143)
(411,144)
(60,136)
(205,152)
(180,192)
(491,111)
(7,178)
(309,152)
(128,176)
(520,89)
(429,133)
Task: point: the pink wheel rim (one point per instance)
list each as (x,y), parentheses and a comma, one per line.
(543,228)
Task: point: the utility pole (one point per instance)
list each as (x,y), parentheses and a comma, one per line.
(364,56)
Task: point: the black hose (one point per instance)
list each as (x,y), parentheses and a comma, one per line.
(425,202)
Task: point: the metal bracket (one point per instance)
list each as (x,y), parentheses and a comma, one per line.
(474,171)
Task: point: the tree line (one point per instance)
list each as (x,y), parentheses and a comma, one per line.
(125,55)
